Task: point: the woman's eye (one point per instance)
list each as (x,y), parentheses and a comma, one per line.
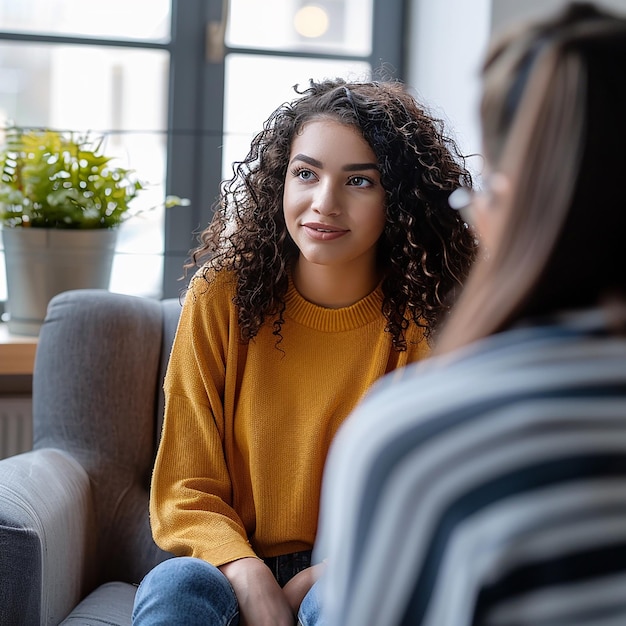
(305,174)
(360,181)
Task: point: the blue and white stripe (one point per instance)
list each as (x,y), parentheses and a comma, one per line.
(484,488)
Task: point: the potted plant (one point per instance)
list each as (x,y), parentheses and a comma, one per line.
(61,202)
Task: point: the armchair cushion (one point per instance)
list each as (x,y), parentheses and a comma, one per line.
(111,603)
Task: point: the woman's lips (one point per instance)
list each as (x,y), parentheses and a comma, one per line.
(323,232)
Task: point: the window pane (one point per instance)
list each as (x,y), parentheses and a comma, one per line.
(132,19)
(338,26)
(271,79)
(117,91)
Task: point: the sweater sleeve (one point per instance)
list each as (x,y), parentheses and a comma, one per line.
(191,494)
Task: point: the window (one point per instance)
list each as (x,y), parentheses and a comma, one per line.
(270,59)
(178,87)
(102,67)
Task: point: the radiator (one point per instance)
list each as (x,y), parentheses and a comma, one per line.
(16,425)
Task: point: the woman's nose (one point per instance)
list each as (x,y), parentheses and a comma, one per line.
(326,200)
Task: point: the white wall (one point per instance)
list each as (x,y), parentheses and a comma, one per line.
(447,42)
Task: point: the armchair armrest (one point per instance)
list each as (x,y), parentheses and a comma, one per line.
(46,543)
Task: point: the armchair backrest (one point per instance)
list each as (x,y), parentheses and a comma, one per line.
(97,394)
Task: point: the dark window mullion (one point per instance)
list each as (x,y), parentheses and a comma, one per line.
(388,36)
(195,133)
(17,36)
(297,54)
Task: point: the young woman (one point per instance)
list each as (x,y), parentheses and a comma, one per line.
(331,260)
(488,485)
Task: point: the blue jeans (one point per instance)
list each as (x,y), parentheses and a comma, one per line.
(184,591)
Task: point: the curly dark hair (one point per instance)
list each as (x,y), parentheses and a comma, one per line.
(426,249)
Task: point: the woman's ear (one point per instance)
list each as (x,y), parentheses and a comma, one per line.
(489,210)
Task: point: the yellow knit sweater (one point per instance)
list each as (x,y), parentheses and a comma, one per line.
(247,427)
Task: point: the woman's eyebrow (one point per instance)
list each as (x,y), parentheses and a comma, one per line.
(307,159)
(350,167)
(355,167)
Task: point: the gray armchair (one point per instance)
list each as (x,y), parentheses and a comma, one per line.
(74,529)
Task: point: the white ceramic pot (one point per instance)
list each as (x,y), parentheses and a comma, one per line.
(42,262)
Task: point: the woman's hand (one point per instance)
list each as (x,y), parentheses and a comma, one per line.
(261,600)
(299,585)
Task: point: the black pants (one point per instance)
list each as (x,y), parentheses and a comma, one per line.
(286,566)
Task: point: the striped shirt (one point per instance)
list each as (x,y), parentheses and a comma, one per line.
(486,487)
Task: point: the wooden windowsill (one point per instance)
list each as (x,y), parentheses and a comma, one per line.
(17,352)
